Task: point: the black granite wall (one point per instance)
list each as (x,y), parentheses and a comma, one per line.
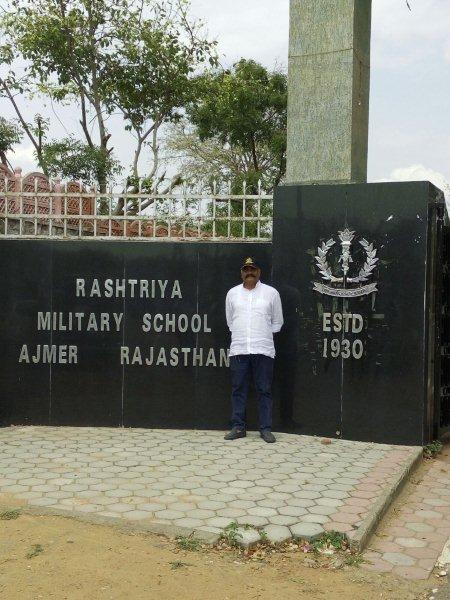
(371,378)
(112,372)
(357,359)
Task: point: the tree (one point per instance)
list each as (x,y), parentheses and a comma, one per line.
(10,135)
(153,74)
(71,159)
(60,42)
(237,127)
(132,56)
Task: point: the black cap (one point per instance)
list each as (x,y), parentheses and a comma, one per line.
(250,262)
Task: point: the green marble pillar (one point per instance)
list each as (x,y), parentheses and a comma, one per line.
(329,77)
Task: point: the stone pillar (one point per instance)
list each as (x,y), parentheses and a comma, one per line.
(57,200)
(328,106)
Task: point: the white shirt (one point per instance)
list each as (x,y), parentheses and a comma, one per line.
(253,316)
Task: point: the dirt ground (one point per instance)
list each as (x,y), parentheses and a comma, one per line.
(57,557)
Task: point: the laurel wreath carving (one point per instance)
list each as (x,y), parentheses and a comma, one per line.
(322,263)
(364,273)
(369,265)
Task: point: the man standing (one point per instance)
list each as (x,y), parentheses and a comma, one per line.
(254,314)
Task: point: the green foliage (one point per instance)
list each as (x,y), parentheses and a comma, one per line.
(354,560)
(135,57)
(242,113)
(230,533)
(152,73)
(10,135)
(240,227)
(246,102)
(65,43)
(178,564)
(189,542)
(264,537)
(36,549)
(330,539)
(9,515)
(71,159)
(432,449)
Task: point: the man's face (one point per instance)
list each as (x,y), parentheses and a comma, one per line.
(250,274)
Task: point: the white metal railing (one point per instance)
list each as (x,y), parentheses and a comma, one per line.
(80,214)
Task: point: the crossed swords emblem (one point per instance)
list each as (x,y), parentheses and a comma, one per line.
(340,288)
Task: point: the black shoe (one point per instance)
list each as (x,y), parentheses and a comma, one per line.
(235,434)
(268,437)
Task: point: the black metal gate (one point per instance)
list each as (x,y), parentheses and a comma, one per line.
(443,420)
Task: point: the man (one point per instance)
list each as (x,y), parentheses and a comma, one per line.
(254,314)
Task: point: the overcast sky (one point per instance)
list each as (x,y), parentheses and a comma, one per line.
(410,78)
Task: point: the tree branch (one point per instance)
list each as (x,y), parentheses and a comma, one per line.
(155,150)
(254,157)
(36,143)
(83,121)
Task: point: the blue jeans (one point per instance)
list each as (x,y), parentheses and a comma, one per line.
(242,368)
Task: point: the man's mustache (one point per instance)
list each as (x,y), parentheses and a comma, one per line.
(250,275)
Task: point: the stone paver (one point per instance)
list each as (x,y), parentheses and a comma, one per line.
(196,480)
(277,534)
(247,537)
(410,541)
(306,531)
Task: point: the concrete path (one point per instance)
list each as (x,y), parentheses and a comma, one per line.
(299,486)
(411,540)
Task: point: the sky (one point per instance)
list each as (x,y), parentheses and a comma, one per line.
(409,135)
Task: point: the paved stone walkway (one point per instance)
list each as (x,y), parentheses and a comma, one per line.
(411,539)
(196,480)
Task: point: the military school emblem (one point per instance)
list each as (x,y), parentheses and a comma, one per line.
(346,285)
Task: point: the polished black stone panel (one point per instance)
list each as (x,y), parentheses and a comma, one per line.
(98,390)
(23,291)
(156,395)
(375,384)
(90,392)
